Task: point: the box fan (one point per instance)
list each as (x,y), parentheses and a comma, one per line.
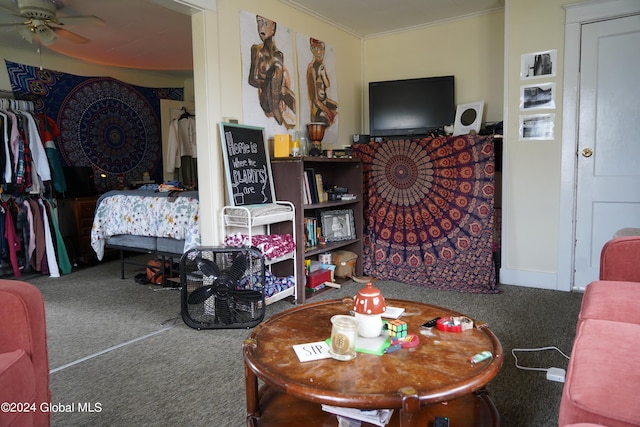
(222,287)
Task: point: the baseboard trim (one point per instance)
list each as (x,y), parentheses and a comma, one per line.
(531,279)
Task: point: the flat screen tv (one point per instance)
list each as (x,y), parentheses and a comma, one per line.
(411,106)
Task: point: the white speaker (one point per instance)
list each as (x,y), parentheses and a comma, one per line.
(468,118)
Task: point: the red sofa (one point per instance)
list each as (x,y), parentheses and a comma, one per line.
(603,378)
(24,361)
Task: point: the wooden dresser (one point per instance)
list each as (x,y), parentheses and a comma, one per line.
(75,217)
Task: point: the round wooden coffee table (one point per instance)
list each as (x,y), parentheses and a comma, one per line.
(433,379)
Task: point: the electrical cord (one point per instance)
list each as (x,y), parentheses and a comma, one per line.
(513,352)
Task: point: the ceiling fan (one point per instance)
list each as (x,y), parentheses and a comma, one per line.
(43,24)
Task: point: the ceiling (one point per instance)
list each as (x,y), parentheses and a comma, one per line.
(366,18)
(156,34)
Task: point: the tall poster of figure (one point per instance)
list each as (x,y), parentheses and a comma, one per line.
(268,91)
(318,85)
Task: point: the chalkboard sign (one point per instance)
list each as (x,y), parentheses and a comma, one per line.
(246,164)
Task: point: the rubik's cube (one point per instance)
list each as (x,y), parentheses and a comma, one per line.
(397,328)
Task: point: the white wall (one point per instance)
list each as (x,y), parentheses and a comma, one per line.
(470,49)
(531,184)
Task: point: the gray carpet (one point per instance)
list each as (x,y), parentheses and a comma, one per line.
(149,369)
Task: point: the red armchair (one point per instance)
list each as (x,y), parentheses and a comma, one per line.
(24,361)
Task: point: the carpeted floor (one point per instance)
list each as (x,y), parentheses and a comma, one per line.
(122,350)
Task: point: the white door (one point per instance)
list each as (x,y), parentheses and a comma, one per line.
(608,180)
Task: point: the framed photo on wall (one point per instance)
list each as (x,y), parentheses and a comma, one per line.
(338,225)
(538,96)
(537,127)
(538,64)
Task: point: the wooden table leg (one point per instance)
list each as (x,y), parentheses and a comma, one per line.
(251,391)
(410,411)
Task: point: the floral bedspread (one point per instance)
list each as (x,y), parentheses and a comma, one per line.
(145,215)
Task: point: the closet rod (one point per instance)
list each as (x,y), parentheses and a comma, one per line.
(17,104)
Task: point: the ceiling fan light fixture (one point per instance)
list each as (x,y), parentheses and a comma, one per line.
(26,33)
(45,34)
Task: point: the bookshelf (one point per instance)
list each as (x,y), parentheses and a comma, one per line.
(289,181)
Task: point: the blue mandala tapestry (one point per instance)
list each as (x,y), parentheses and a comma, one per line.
(111,126)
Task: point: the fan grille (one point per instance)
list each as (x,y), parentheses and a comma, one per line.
(222,287)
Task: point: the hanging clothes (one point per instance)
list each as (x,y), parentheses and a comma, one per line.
(8,121)
(41,169)
(40,244)
(50,131)
(61,251)
(182,150)
(50,253)
(30,239)
(13,239)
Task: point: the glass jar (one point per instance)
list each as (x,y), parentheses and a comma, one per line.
(303,140)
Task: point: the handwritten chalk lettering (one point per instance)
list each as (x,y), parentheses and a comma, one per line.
(237,163)
(237,148)
(247,165)
(250,176)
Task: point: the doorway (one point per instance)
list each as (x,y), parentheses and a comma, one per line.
(599,178)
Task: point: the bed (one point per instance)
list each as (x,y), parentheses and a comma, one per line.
(146,221)
(168,224)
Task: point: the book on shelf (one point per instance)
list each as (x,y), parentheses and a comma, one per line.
(311,231)
(306,193)
(320,188)
(311,177)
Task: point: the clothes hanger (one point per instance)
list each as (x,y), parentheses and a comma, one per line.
(185,114)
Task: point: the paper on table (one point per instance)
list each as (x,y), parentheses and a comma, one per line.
(312,351)
(393,312)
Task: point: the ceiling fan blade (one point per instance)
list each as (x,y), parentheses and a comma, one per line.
(13,24)
(10,10)
(71,36)
(79,20)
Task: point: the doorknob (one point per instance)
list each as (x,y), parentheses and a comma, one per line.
(587,152)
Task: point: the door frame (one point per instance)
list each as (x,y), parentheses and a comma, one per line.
(577,14)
